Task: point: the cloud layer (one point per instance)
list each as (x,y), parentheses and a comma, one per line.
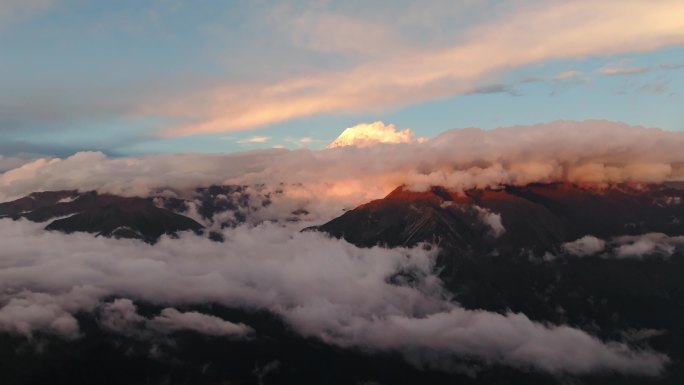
(325,288)
(579,152)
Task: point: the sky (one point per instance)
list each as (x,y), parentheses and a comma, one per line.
(172,76)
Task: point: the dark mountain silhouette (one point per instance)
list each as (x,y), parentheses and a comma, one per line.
(493,245)
(536,218)
(144,218)
(99,214)
(511,272)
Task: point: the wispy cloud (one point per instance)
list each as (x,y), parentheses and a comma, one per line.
(567,75)
(254,139)
(553,31)
(17,10)
(671,66)
(495,89)
(623,70)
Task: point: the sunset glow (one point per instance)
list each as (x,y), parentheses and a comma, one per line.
(387,192)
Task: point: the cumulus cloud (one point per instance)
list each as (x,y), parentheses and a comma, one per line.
(491,219)
(370,134)
(587,245)
(24,316)
(579,152)
(323,287)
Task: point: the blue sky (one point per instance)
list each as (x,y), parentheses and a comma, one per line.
(137,77)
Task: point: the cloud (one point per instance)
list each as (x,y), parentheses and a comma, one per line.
(23,316)
(493,220)
(623,70)
(171,320)
(10,162)
(627,246)
(648,245)
(587,245)
(254,139)
(658,86)
(567,75)
(333,179)
(671,66)
(495,89)
(324,288)
(333,33)
(122,316)
(551,31)
(17,10)
(370,134)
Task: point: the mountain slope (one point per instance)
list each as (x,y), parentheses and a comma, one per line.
(534,219)
(100,214)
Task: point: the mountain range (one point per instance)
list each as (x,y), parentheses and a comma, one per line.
(605,259)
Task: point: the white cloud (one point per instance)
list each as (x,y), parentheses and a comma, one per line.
(323,287)
(22,316)
(170,320)
(627,246)
(370,134)
(254,139)
(491,219)
(647,244)
(587,245)
(122,316)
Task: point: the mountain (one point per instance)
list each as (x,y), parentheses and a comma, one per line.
(502,250)
(205,209)
(99,214)
(535,219)
(508,249)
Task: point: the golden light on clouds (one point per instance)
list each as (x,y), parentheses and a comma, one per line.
(554,31)
(369,134)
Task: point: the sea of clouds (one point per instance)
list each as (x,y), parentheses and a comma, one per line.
(322,287)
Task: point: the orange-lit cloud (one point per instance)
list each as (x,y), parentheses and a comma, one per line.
(555,30)
(583,152)
(254,139)
(369,134)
